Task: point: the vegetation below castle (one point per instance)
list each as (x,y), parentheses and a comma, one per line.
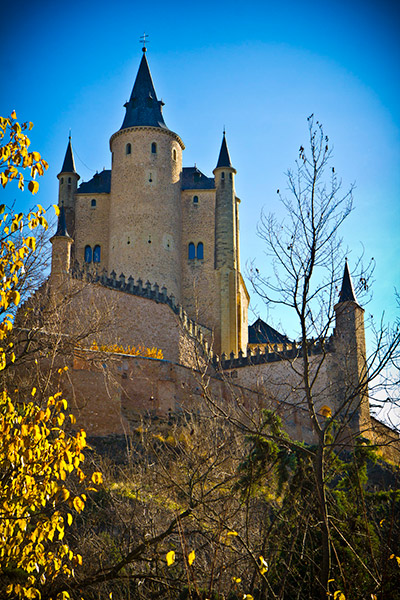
(237,508)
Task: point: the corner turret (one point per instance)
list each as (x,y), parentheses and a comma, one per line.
(351,359)
(61,251)
(233,294)
(68,183)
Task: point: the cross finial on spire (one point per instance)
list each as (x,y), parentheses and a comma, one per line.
(143,41)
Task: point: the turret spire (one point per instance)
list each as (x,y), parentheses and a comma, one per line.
(143,108)
(62,225)
(69,162)
(224,159)
(347,292)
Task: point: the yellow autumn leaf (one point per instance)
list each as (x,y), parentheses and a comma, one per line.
(79,505)
(233,533)
(56,210)
(33,186)
(97,478)
(338,595)
(170,557)
(191,557)
(13,114)
(262,564)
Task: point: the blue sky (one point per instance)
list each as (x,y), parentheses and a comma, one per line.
(257,68)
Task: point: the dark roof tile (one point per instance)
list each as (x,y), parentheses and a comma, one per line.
(193,179)
(262,333)
(99,184)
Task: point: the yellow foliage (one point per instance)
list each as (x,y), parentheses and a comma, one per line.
(14,154)
(36,455)
(37,458)
(170,558)
(131,350)
(191,557)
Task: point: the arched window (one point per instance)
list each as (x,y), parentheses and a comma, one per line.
(200,250)
(62,179)
(222,175)
(174,154)
(192,251)
(230,176)
(195,199)
(96,254)
(154,148)
(93,203)
(128,149)
(69,179)
(88,254)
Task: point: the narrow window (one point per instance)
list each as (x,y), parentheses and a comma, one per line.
(62,179)
(69,179)
(222,175)
(96,254)
(200,250)
(230,176)
(88,254)
(174,154)
(154,148)
(195,199)
(150,177)
(93,203)
(192,251)
(128,149)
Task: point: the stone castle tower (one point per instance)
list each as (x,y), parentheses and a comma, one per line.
(152,219)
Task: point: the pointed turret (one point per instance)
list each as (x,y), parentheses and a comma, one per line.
(227,254)
(62,225)
(347,292)
(69,162)
(224,160)
(61,252)
(68,184)
(350,357)
(143,108)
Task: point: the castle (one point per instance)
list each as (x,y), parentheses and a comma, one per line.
(157,245)
(162,223)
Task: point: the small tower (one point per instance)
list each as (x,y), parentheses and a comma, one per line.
(68,182)
(351,359)
(61,252)
(227,251)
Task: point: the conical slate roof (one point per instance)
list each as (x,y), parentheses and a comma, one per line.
(62,226)
(69,162)
(224,159)
(143,108)
(347,292)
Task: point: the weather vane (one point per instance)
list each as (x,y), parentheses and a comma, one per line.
(143,41)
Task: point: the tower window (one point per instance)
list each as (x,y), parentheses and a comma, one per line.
(222,175)
(69,179)
(174,154)
(88,254)
(191,251)
(93,203)
(96,254)
(195,199)
(62,179)
(230,176)
(154,148)
(128,149)
(200,250)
